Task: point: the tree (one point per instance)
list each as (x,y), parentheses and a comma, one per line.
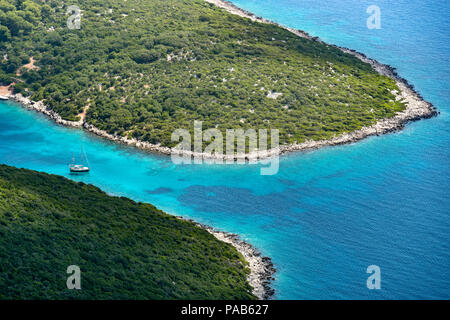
(5,35)
(53,38)
(145,56)
(6,6)
(5,80)
(15,23)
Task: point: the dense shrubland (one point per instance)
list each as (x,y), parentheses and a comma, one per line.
(147,67)
(125,250)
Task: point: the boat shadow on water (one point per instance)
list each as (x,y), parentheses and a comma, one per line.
(75,173)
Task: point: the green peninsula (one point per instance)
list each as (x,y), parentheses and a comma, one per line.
(143,68)
(125,250)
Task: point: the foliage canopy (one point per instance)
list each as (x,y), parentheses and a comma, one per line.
(148,67)
(125,250)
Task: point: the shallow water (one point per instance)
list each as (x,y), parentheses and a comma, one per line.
(327,214)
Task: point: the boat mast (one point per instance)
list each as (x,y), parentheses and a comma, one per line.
(87,161)
(83,153)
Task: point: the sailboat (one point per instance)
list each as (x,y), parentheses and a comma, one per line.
(79,168)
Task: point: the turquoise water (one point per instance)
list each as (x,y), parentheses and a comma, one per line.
(327,214)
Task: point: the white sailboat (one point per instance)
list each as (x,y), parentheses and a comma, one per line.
(80,168)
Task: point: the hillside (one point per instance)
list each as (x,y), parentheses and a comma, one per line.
(143,68)
(125,250)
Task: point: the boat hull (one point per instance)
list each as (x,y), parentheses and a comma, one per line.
(79,171)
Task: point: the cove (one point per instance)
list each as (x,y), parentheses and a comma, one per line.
(327,215)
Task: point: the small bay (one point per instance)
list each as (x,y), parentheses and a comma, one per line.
(328,214)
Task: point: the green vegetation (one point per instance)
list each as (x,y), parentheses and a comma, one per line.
(148,67)
(126,250)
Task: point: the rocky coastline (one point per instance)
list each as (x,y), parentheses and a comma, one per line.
(417,108)
(261,268)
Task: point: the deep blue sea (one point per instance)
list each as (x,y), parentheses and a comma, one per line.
(328,214)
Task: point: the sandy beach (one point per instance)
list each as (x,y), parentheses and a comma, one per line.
(5,91)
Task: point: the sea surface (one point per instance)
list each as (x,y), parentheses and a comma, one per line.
(328,214)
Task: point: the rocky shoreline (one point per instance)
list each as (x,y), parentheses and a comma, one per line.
(417,108)
(261,268)
(41,107)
